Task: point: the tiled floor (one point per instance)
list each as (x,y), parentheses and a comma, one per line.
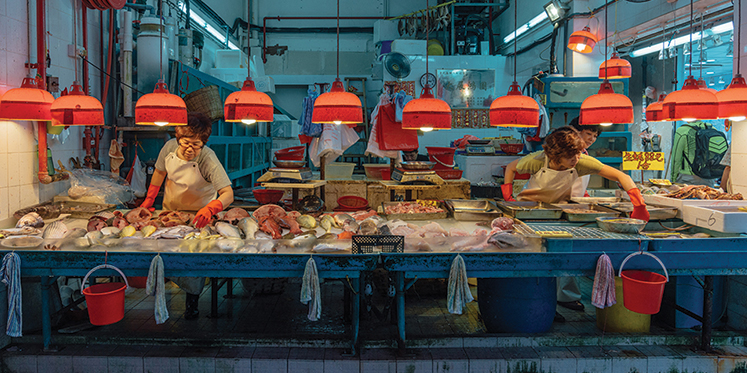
(270,333)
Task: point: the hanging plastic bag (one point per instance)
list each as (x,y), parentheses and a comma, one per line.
(99,187)
(137,183)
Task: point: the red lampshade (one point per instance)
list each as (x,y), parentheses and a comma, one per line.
(26,103)
(248,105)
(655,111)
(338,107)
(616,68)
(703,85)
(691,103)
(514,109)
(77,109)
(426,113)
(161,108)
(606,107)
(582,41)
(732,101)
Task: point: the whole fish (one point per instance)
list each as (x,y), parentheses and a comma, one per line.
(227,230)
(228,244)
(327,223)
(270,226)
(507,240)
(307,221)
(94,237)
(148,230)
(328,236)
(31,219)
(340,219)
(175,232)
(367,228)
(76,233)
(249,227)
(56,229)
(25,231)
(260,235)
(350,225)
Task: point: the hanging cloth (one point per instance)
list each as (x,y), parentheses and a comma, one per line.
(603,292)
(400,100)
(155,286)
(116,158)
(307,127)
(11,277)
(458,293)
(310,291)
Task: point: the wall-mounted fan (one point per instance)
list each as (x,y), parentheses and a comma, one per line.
(397,65)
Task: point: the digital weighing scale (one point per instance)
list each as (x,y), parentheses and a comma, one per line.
(480,149)
(428,177)
(286,175)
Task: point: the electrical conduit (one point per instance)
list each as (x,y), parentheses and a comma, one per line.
(41,69)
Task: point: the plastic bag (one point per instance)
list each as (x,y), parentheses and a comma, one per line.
(138,178)
(99,187)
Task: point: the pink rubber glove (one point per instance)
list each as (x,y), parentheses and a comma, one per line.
(150,198)
(206,213)
(639,207)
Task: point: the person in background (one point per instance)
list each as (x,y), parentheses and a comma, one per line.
(195,181)
(726,176)
(684,149)
(588,133)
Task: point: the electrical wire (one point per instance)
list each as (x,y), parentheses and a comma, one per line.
(111,76)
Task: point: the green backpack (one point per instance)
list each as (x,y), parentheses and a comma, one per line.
(710,147)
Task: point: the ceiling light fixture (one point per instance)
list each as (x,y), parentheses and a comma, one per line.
(615,67)
(720,29)
(338,106)
(582,41)
(161,108)
(733,99)
(427,113)
(514,109)
(606,107)
(248,105)
(525,27)
(555,11)
(26,103)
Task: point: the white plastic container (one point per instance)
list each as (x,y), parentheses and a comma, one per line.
(339,171)
(230,59)
(726,219)
(658,199)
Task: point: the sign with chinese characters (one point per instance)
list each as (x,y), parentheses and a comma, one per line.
(466,88)
(646,161)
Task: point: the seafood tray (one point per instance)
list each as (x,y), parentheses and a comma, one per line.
(585,212)
(595,199)
(378,244)
(531,210)
(584,232)
(52,210)
(413,216)
(473,210)
(656,212)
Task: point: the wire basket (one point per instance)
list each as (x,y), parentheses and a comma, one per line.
(512,148)
(206,100)
(352,202)
(378,244)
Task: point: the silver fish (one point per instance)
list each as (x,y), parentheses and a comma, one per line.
(94,237)
(227,230)
(307,221)
(25,231)
(367,228)
(262,236)
(327,222)
(340,219)
(507,240)
(76,233)
(328,236)
(56,229)
(177,232)
(110,231)
(31,219)
(228,244)
(249,227)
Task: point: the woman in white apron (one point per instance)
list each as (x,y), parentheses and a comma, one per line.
(589,134)
(195,182)
(557,173)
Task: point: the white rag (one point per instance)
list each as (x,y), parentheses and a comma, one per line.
(458,294)
(155,286)
(11,277)
(603,291)
(544,127)
(310,291)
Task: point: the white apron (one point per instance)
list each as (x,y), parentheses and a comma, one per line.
(186,188)
(580,186)
(548,185)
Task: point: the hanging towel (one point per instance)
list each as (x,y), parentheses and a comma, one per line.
(458,294)
(307,127)
(603,292)
(155,286)
(310,291)
(11,276)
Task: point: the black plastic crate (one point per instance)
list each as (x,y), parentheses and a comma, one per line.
(379,243)
(479,191)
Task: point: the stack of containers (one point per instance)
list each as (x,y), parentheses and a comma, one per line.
(444,159)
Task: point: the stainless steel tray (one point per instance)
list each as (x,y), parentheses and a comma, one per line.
(531,210)
(473,210)
(413,216)
(601,212)
(595,199)
(657,212)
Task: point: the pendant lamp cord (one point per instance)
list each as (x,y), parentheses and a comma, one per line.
(248,39)
(338,39)
(700,48)
(75,36)
(160,37)
(427,39)
(606,11)
(516,5)
(691,37)
(739,36)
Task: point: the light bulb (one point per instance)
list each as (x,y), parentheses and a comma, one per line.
(248,121)
(161,124)
(605,124)
(737,119)
(689,119)
(580,47)
(426,129)
(338,122)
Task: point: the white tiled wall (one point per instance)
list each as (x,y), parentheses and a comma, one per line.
(19,186)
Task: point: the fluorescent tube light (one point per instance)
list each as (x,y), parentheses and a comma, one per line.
(220,36)
(720,29)
(525,27)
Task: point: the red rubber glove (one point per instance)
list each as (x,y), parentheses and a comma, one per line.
(508,192)
(586,194)
(639,207)
(206,213)
(150,198)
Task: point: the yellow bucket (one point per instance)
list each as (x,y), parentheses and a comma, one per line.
(618,319)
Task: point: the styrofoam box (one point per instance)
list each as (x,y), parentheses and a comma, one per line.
(658,199)
(733,221)
(409,47)
(230,59)
(478,168)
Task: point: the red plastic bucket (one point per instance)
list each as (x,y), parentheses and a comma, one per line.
(105,301)
(386,174)
(294,153)
(444,157)
(643,290)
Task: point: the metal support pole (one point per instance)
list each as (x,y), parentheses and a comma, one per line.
(46,283)
(707,332)
(399,280)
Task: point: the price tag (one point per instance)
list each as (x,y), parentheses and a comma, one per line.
(647,161)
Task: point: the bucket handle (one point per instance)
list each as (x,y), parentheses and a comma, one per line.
(83,284)
(666,274)
(443,164)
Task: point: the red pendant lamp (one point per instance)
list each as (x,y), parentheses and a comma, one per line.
(655,111)
(161,108)
(426,113)
(691,103)
(615,68)
(248,105)
(582,41)
(733,99)
(338,106)
(606,107)
(26,103)
(514,109)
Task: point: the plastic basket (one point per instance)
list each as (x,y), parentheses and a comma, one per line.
(352,202)
(374,170)
(378,244)
(268,196)
(294,153)
(449,174)
(206,100)
(512,148)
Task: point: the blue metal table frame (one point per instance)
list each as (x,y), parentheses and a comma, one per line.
(49,264)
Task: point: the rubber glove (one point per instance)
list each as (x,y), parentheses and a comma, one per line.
(150,198)
(508,192)
(206,213)
(639,207)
